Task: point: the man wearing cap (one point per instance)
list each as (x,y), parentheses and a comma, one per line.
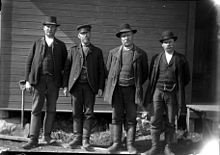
(127,68)
(44,69)
(165,96)
(84,77)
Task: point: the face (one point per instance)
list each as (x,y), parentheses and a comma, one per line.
(168,45)
(50,30)
(127,39)
(84,37)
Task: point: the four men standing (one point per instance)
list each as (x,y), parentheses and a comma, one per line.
(84,77)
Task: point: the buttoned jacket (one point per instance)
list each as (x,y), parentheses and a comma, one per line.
(140,66)
(182,75)
(94,64)
(36,56)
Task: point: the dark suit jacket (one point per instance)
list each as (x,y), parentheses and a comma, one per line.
(35,58)
(95,67)
(140,66)
(182,77)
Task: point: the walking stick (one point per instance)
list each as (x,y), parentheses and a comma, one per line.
(22,87)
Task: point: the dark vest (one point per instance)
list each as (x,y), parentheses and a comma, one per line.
(48,62)
(166,71)
(83,74)
(126,76)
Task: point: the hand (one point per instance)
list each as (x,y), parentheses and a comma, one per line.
(145,114)
(99,93)
(28,86)
(65,91)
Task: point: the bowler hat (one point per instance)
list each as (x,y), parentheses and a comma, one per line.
(85,26)
(167,35)
(125,28)
(50,20)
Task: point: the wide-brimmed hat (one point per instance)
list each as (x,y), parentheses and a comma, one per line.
(123,29)
(50,20)
(84,27)
(167,35)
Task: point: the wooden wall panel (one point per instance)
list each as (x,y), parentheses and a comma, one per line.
(22,24)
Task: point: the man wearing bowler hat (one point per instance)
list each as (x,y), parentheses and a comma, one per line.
(84,77)
(165,96)
(127,68)
(44,71)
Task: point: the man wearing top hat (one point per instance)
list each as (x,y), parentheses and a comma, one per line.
(84,77)
(165,96)
(44,71)
(127,67)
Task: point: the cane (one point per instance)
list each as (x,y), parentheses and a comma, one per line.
(22,87)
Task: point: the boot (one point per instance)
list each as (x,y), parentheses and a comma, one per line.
(155,148)
(117,133)
(86,137)
(47,128)
(168,140)
(131,139)
(32,143)
(77,130)
(34,131)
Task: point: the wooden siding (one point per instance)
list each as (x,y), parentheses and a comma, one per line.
(21,24)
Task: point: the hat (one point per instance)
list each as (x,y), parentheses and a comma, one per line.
(85,26)
(50,20)
(167,35)
(125,28)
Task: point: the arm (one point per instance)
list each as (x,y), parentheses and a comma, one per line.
(144,67)
(29,61)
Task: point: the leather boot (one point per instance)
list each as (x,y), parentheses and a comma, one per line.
(86,137)
(155,148)
(77,130)
(131,132)
(168,140)
(117,133)
(32,143)
(34,131)
(47,128)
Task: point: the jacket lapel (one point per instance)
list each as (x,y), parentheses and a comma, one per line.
(43,43)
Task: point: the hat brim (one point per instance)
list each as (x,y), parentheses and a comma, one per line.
(124,31)
(51,24)
(174,37)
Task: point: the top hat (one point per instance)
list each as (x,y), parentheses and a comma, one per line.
(50,20)
(86,27)
(125,28)
(167,35)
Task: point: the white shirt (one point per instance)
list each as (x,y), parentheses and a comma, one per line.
(168,56)
(49,41)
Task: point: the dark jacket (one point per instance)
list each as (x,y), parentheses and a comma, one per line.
(140,66)
(35,58)
(95,67)
(182,77)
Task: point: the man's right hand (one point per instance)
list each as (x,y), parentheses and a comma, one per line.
(28,86)
(65,91)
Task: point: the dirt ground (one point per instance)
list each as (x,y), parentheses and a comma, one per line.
(100,140)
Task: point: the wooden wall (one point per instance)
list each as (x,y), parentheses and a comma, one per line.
(21,24)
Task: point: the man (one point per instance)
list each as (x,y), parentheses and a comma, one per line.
(169,74)
(85,77)
(44,68)
(127,68)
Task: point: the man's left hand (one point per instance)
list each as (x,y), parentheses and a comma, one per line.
(99,93)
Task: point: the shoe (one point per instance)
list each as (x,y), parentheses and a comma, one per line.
(74,144)
(168,150)
(30,145)
(47,140)
(86,144)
